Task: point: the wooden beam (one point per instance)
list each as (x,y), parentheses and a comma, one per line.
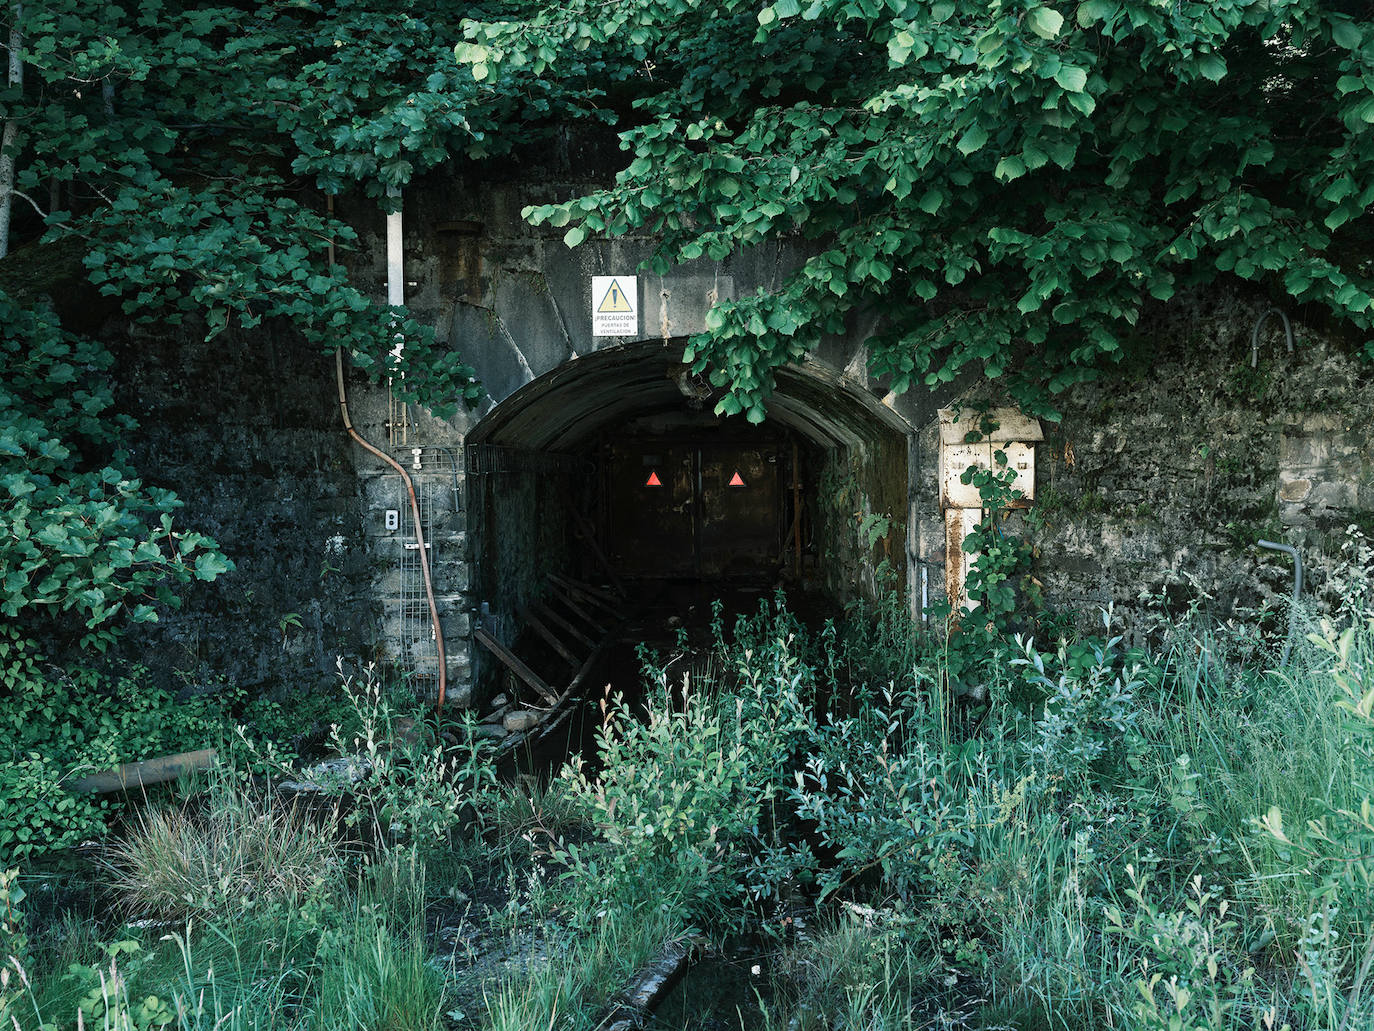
(513,662)
(577,610)
(554,617)
(588,594)
(586,588)
(537,625)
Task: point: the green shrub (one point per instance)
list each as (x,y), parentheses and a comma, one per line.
(59,725)
(1085,729)
(690,800)
(1189,965)
(419,790)
(876,788)
(79,532)
(37,814)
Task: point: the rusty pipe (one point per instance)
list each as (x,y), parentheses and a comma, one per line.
(1254,334)
(414,502)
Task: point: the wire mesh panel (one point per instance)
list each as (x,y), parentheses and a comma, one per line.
(413,643)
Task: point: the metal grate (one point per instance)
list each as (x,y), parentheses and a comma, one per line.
(413,643)
(498,459)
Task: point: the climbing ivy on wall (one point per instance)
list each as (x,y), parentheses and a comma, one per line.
(183,151)
(1006,183)
(81,535)
(189,148)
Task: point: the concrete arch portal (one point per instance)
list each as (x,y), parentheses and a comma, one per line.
(596,461)
(613,468)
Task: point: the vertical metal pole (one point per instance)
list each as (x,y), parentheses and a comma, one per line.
(796,514)
(399,415)
(395,265)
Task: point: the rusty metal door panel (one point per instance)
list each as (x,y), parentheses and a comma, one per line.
(740,510)
(651,524)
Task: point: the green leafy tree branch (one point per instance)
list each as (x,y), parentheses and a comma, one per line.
(1006,183)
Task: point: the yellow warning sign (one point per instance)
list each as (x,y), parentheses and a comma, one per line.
(615,306)
(614,300)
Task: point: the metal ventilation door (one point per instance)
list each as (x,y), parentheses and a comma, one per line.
(651,509)
(740,511)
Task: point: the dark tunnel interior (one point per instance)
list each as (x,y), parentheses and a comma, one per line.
(608,492)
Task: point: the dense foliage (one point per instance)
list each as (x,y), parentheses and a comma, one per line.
(80,531)
(1164,841)
(1005,183)
(185,151)
(190,147)
(58,725)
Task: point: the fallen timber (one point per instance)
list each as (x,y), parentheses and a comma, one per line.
(650,986)
(576,621)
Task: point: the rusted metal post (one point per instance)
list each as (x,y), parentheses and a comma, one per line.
(796,514)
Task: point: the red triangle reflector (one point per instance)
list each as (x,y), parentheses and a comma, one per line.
(735,480)
(653,480)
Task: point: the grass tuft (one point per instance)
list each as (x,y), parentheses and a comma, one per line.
(177,861)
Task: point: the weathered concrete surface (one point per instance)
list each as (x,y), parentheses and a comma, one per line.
(1164,473)
(247,432)
(1157,481)
(516,303)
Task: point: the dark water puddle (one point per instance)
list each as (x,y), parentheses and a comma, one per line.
(721,992)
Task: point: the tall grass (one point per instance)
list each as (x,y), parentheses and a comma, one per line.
(235,850)
(374,969)
(1109,839)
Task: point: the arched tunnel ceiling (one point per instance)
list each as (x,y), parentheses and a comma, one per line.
(565,407)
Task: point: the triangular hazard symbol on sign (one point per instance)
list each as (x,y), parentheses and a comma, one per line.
(653,480)
(736,481)
(615,299)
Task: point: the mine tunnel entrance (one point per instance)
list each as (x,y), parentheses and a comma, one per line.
(606,498)
(699,506)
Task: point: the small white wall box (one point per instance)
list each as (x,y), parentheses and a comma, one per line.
(393,519)
(999,429)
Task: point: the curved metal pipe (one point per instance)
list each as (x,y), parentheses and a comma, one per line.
(414,502)
(415,514)
(1297,592)
(1254,335)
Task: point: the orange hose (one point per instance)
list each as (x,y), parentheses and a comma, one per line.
(414,502)
(415,513)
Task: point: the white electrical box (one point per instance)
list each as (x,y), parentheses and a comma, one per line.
(393,519)
(1007,430)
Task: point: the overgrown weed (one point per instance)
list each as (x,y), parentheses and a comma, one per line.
(177,862)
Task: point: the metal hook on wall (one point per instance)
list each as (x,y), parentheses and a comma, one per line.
(1254,336)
